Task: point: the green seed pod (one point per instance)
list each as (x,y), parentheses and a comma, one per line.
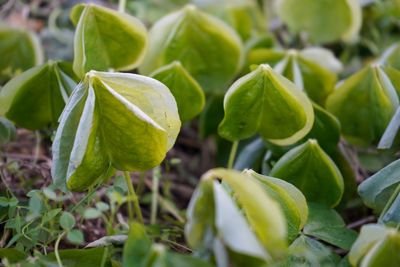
(265,102)
(128,120)
(187,92)
(208,48)
(106,39)
(19,51)
(292,201)
(365,102)
(36,98)
(313,172)
(323,21)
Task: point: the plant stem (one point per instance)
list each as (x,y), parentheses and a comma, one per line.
(121,5)
(389,203)
(133,199)
(56,249)
(37,147)
(232,154)
(154,196)
(139,187)
(6,185)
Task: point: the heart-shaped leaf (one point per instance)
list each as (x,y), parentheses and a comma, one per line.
(106,39)
(365,102)
(208,48)
(376,246)
(275,108)
(36,98)
(19,51)
(312,171)
(128,120)
(187,92)
(323,21)
(292,201)
(7,131)
(377,189)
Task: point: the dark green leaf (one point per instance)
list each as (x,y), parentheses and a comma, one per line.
(13,255)
(67,221)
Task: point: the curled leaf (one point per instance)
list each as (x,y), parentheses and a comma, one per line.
(187,92)
(36,98)
(19,51)
(208,48)
(291,200)
(312,171)
(128,120)
(365,102)
(106,39)
(275,108)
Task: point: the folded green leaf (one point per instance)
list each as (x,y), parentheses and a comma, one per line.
(291,200)
(323,21)
(376,246)
(312,171)
(365,102)
(275,108)
(327,225)
(128,120)
(208,48)
(106,39)
(36,98)
(214,219)
(377,189)
(301,67)
(389,136)
(19,51)
(187,92)
(7,131)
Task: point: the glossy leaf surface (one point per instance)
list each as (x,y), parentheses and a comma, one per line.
(19,51)
(8,132)
(391,57)
(291,200)
(275,108)
(389,136)
(312,171)
(128,120)
(365,102)
(323,21)
(208,48)
(327,225)
(187,92)
(377,189)
(36,98)
(106,39)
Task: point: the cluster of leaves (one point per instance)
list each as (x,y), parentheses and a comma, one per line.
(283,108)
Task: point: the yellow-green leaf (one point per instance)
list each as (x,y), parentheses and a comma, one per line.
(323,21)
(274,107)
(19,50)
(106,39)
(208,48)
(292,201)
(187,92)
(128,120)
